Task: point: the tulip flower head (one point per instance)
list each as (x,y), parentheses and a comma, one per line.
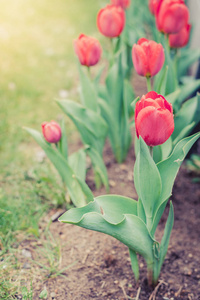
(148,57)
(154,120)
(181,38)
(123,3)
(111,21)
(51,132)
(88,50)
(171,15)
(152,5)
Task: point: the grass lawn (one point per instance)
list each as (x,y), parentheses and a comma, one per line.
(38,65)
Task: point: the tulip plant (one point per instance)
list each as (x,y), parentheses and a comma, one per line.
(132,222)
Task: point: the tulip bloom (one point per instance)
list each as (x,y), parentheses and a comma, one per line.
(123,3)
(171,15)
(148,57)
(111,21)
(181,38)
(152,4)
(154,120)
(88,50)
(51,132)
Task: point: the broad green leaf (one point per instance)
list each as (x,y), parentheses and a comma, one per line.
(189,114)
(186,91)
(77,162)
(172,97)
(161,81)
(157,216)
(147,180)
(165,239)
(63,141)
(99,166)
(114,215)
(91,125)
(187,58)
(134,263)
(67,174)
(114,84)
(161,152)
(140,211)
(88,92)
(169,167)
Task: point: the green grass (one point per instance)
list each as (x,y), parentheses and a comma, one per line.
(37,63)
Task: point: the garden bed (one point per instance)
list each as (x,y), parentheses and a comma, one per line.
(101,267)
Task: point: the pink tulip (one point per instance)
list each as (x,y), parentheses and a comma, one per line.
(154,120)
(123,3)
(171,15)
(181,38)
(88,50)
(148,57)
(111,20)
(51,132)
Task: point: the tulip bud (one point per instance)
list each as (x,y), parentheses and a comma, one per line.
(148,57)
(181,38)
(154,120)
(152,4)
(111,20)
(51,132)
(88,50)
(123,3)
(171,15)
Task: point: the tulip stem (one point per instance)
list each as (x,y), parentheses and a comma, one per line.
(151,151)
(148,80)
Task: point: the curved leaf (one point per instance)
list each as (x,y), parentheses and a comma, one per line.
(67,174)
(123,224)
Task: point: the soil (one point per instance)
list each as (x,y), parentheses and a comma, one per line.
(99,265)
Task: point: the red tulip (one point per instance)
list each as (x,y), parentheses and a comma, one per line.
(171,15)
(88,50)
(111,20)
(148,57)
(51,132)
(154,120)
(152,4)
(181,38)
(123,3)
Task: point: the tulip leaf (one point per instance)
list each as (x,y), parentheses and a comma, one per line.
(91,125)
(187,90)
(167,232)
(161,81)
(77,162)
(134,263)
(63,141)
(141,211)
(147,180)
(169,167)
(116,216)
(187,58)
(184,121)
(161,152)
(67,174)
(88,93)
(99,166)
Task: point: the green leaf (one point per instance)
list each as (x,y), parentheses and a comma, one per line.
(134,263)
(161,81)
(187,58)
(43,294)
(116,216)
(184,121)
(172,97)
(75,191)
(88,92)
(91,125)
(186,91)
(99,166)
(63,141)
(129,96)
(169,167)
(165,239)
(147,180)
(141,211)
(77,162)
(161,152)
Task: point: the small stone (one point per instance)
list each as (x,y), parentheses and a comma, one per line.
(26,253)
(112,183)
(141,265)
(190,255)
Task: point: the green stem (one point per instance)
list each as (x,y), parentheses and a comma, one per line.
(151,151)
(148,80)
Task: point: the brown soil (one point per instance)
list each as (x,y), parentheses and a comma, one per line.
(102,268)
